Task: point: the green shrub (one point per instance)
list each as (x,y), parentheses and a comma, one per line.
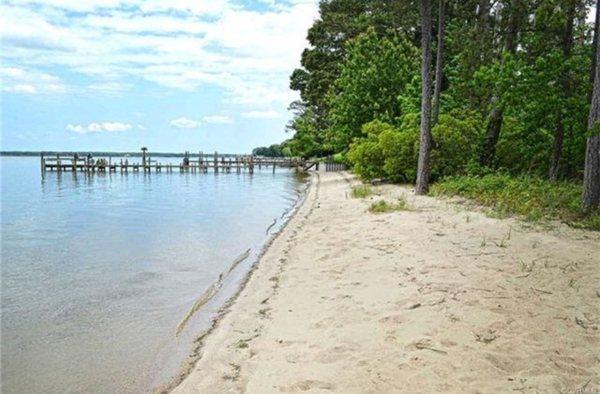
(390,152)
(456,137)
(361,191)
(529,197)
(383,206)
(366,154)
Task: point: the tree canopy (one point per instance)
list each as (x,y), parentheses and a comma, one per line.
(512,92)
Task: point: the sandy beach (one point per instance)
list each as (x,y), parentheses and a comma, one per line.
(436,298)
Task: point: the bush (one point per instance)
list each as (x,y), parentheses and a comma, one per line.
(529,197)
(361,191)
(456,138)
(366,154)
(392,152)
(383,206)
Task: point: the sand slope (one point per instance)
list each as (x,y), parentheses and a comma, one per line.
(436,299)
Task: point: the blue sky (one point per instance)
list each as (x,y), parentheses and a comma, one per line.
(172,75)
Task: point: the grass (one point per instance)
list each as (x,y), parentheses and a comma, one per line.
(533,199)
(383,206)
(362,191)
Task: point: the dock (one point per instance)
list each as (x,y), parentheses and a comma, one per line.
(203,163)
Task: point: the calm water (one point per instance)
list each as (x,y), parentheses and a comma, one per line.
(97,271)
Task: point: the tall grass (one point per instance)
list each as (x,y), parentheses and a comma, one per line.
(383,206)
(362,191)
(532,198)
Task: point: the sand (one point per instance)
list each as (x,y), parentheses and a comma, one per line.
(438,298)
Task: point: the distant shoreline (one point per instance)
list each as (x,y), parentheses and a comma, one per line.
(106,154)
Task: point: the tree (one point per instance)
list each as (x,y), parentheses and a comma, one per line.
(591,174)
(339,22)
(307,141)
(423,166)
(496,117)
(439,65)
(374,74)
(559,134)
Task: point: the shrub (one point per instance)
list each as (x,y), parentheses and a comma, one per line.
(361,191)
(383,206)
(390,152)
(529,197)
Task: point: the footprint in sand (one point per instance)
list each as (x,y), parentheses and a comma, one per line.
(334,354)
(394,319)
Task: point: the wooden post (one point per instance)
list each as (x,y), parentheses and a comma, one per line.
(216,162)
(144,150)
(251,166)
(273,167)
(42,162)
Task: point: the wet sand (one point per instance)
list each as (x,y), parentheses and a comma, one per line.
(438,298)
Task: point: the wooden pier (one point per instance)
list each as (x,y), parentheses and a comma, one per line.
(202,164)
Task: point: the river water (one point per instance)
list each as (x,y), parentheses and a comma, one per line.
(98,270)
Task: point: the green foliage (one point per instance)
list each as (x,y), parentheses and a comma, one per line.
(373,75)
(307,141)
(529,197)
(456,138)
(274,150)
(384,152)
(391,152)
(383,206)
(361,191)
(339,22)
(528,61)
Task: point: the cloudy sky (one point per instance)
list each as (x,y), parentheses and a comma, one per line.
(169,74)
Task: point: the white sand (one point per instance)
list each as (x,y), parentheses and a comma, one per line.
(437,299)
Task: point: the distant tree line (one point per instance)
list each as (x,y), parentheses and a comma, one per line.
(275,150)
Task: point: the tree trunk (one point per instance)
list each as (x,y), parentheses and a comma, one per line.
(496,116)
(423,168)
(559,133)
(591,173)
(439,65)
(594,45)
(492,134)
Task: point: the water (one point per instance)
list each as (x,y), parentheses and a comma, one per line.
(97,271)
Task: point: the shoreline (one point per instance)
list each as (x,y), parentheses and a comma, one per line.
(194,355)
(348,301)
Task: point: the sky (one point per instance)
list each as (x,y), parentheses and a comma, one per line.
(172,75)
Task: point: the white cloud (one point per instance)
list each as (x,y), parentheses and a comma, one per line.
(222,119)
(76,128)
(27,81)
(109,127)
(184,123)
(108,87)
(178,44)
(268,114)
